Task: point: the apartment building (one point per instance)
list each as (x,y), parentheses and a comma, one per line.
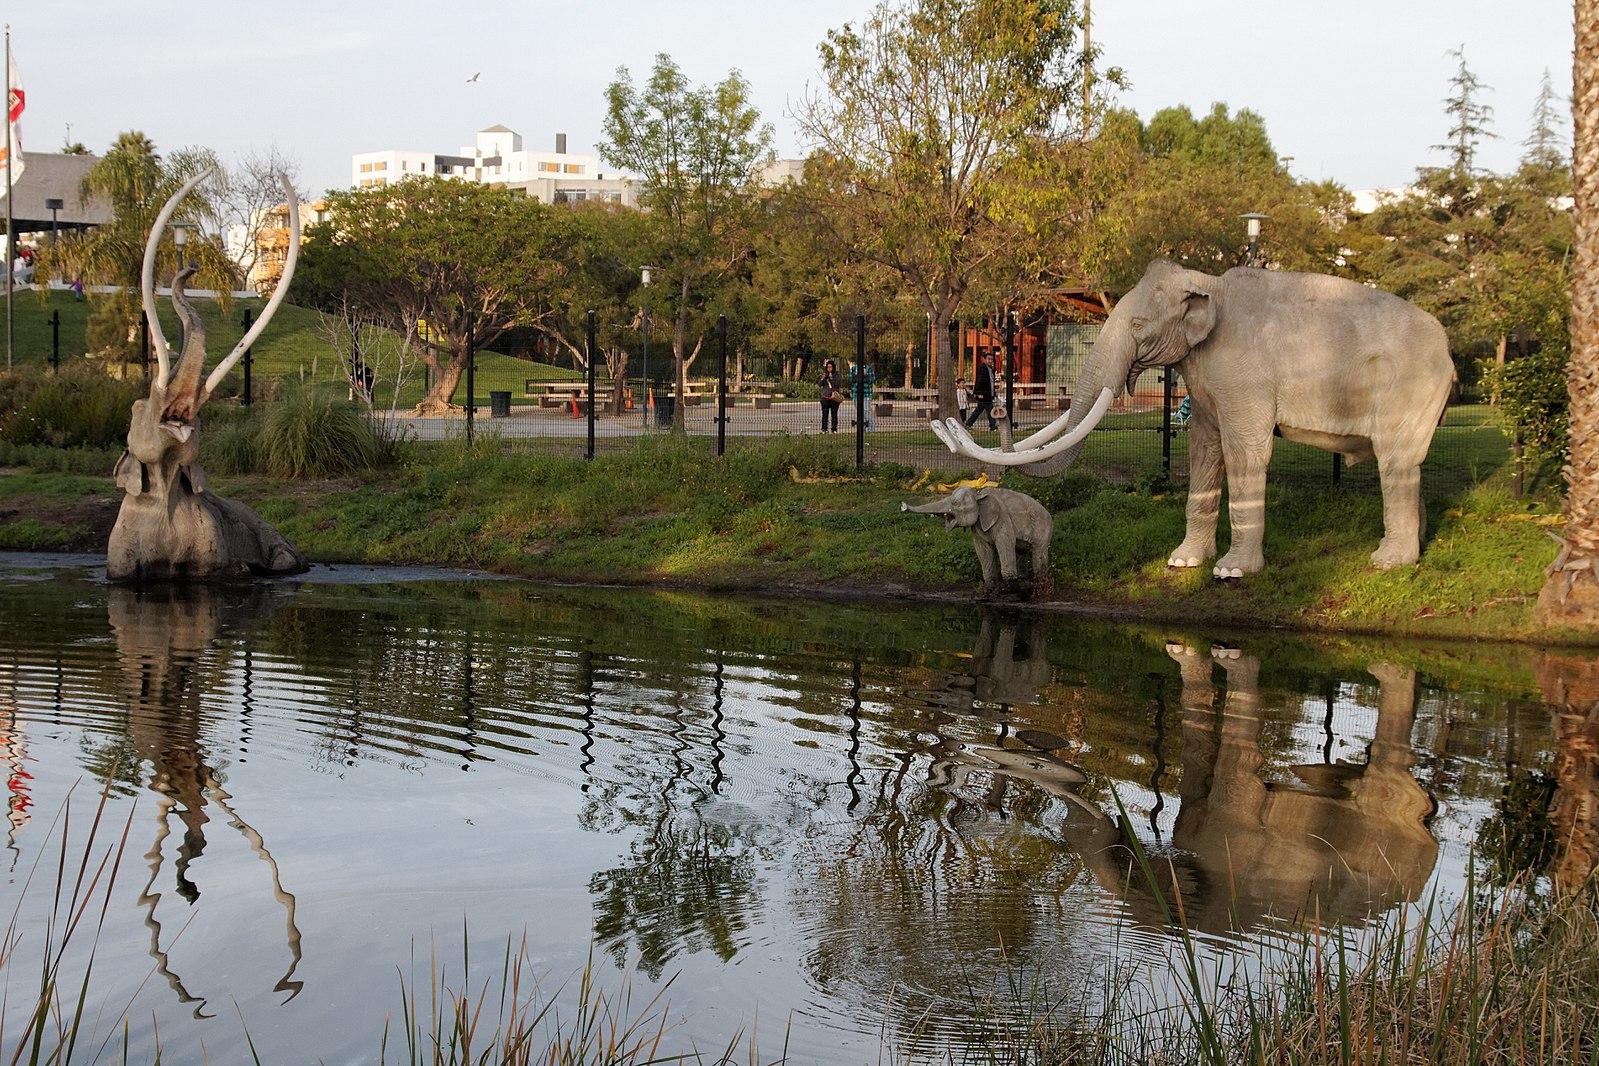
(499,158)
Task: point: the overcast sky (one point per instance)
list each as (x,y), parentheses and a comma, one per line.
(1350,88)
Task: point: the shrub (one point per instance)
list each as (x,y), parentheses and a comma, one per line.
(311,433)
(80,407)
(1531,391)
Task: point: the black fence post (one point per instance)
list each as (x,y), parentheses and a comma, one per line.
(594,356)
(1165,422)
(721,385)
(249,360)
(1010,370)
(954,340)
(471,378)
(1338,468)
(55,340)
(144,344)
(860,391)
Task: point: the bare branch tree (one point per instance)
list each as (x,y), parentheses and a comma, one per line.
(249,209)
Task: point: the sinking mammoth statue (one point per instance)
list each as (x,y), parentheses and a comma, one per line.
(170,526)
(1312,358)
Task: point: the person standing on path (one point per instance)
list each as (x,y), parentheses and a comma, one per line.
(864,378)
(831,396)
(982,393)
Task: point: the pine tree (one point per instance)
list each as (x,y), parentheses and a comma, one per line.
(1470,117)
(1545,146)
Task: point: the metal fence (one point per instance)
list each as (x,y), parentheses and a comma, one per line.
(739,390)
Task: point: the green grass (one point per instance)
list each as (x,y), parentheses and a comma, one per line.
(295,346)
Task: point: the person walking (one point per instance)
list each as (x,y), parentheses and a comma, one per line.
(831,396)
(963,397)
(864,378)
(983,394)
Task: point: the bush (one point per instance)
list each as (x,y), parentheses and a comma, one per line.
(80,407)
(1531,391)
(311,433)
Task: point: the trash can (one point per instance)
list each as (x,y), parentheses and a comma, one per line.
(664,408)
(500,404)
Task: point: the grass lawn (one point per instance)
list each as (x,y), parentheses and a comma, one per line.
(295,346)
(664,510)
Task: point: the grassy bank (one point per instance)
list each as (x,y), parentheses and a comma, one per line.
(790,514)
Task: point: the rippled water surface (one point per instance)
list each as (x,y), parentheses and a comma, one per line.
(836,821)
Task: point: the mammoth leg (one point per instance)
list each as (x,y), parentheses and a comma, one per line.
(1246,461)
(1040,553)
(1204,493)
(1005,547)
(1401,513)
(986,560)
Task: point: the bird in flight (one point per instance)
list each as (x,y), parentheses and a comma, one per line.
(474,77)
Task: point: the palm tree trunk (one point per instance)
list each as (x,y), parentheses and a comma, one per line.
(1571,595)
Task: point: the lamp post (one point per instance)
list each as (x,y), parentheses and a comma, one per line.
(54,204)
(644,283)
(1253,220)
(180,237)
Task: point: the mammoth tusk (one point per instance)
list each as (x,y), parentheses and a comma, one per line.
(943,434)
(973,450)
(292,198)
(1033,440)
(152,244)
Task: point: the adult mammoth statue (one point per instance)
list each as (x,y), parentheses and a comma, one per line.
(1317,359)
(170,526)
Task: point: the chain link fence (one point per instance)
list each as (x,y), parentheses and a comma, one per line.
(734,389)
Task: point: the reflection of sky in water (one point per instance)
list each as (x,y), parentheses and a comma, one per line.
(847,816)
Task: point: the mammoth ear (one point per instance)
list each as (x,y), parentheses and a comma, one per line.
(1199,316)
(987,512)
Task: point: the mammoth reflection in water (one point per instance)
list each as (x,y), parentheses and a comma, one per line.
(1334,842)
(165,638)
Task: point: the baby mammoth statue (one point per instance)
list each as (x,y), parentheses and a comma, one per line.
(1001,521)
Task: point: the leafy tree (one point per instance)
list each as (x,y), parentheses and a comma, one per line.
(467,261)
(136,181)
(937,129)
(1470,118)
(696,151)
(1545,146)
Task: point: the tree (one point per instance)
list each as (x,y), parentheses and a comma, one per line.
(249,202)
(696,153)
(936,132)
(135,180)
(1545,145)
(1571,595)
(1470,118)
(467,260)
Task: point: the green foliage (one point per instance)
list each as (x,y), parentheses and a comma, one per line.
(306,433)
(81,407)
(1532,394)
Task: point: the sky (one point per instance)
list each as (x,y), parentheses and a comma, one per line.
(1351,89)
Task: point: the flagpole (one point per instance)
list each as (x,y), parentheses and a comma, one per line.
(11,251)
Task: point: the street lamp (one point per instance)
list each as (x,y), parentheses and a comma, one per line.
(1253,220)
(644,401)
(180,237)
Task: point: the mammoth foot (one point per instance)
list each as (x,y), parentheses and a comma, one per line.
(201,537)
(1238,563)
(1190,554)
(1394,552)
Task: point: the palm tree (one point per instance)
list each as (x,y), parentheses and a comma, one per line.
(135,181)
(1571,595)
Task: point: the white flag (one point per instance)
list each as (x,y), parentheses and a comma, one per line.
(16,100)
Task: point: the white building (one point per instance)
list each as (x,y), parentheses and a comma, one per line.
(498,158)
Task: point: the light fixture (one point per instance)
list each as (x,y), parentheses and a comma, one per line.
(644,274)
(1254,219)
(180,237)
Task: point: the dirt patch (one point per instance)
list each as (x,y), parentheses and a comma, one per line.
(88,519)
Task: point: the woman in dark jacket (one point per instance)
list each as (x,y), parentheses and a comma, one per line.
(831,396)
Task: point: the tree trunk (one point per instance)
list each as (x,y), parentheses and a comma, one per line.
(1571,595)
(944,364)
(445,379)
(616,366)
(1570,687)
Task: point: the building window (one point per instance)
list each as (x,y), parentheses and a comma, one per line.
(550,168)
(366,168)
(405,165)
(380,166)
(574,168)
